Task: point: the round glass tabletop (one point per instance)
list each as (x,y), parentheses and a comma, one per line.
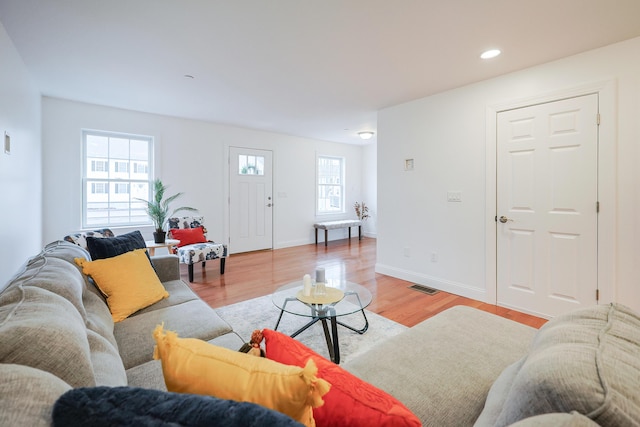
(341,298)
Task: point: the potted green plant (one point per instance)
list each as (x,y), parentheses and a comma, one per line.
(159,211)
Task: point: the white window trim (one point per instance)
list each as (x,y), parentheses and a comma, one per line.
(85,180)
(343,185)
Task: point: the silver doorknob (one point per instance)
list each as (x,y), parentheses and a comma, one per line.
(269,205)
(504,219)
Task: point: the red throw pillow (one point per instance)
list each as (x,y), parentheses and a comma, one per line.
(351,402)
(188,236)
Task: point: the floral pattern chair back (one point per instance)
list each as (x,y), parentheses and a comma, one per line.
(197,252)
(80,238)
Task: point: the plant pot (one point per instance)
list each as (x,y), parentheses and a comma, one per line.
(159,236)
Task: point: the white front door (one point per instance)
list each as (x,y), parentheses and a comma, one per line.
(547,175)
(250,200)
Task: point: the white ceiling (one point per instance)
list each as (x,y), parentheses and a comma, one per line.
(312,68)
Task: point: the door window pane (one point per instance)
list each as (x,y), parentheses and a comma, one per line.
(250,165)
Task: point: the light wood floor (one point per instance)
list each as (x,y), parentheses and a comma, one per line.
(255,274)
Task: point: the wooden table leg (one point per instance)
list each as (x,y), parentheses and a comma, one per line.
(326,236)
(349,233)
(316,235)
(359,232)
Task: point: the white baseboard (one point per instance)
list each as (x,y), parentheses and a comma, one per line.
(300,242)
(523,310)
(433,282)
(290,243)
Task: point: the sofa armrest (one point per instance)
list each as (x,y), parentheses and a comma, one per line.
(167,267)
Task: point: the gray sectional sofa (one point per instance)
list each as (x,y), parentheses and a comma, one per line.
(463,367)
(466,367)
(56,332)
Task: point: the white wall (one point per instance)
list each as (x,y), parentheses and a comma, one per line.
(190,158)
(370,187)
(20,176)
(446,134)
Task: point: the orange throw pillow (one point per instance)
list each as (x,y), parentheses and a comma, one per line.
(188,236)
(351,402)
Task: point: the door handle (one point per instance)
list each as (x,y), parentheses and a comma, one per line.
(504,219)
(269,205)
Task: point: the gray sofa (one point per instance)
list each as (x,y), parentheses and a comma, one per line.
(56,332)
(463,367)
(466,367)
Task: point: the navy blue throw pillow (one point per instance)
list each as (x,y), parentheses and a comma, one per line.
(140,407)
(108,247)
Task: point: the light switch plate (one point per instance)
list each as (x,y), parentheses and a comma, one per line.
(454,196)
(7,143)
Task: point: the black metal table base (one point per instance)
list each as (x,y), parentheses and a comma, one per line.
(322,313)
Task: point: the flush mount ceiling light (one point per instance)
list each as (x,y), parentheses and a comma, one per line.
(492,53)
(365,135)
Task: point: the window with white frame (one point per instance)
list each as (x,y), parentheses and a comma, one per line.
(99,166)
(122,166)
(99,188)
(330,196)
(250,165)
(122,188)
(111,190)
(140,168)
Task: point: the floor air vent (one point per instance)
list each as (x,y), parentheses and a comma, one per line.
(424,289)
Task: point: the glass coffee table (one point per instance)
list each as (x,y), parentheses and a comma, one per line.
(340,299)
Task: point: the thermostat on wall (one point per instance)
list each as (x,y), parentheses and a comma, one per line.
(408,164)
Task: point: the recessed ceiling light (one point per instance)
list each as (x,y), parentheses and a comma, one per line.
(365,135)
(492,53)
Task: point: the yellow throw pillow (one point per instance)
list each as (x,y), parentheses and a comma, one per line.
(194,366)
(128,281)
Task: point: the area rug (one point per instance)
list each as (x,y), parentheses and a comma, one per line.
(259,313)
